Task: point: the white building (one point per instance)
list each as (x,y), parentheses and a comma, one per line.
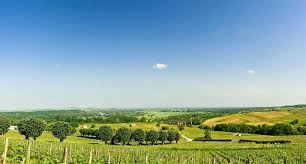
(13,128)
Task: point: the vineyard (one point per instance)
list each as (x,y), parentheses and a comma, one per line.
(23,151)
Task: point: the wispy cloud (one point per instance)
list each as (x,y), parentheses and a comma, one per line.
(160,66)
(251,72)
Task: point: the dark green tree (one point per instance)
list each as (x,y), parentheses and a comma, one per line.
(171,136)
(123,135)
(177,136)
(61,130)
(105,133)
(162,136)
(31,128)
(207,136)
(138,135)
(152,136)
(4,125)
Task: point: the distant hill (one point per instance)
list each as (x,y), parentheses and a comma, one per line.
(285,115)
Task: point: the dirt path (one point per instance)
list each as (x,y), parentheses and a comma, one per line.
(186,138)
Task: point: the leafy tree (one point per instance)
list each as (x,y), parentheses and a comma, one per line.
(93,126)
(171,136)
(158,124)
(138,135)
(105,133)
(123,135)
(31,128)
(162,136)
(4,126)
(207,136)
(61,130)
(181,127)
(177,137)
(74,124)
(152,136)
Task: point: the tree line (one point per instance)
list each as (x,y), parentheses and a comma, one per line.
(125,136)
(277,129)
(33,128)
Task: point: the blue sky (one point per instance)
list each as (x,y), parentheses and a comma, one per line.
(152,53)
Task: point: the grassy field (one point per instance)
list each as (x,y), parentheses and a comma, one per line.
(195,132)
(48,149)
(190,132)
(258,118)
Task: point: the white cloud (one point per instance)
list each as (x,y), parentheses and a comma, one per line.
(251,72)
(160,66)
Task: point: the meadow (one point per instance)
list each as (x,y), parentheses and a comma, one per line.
(258,118)
(47,149)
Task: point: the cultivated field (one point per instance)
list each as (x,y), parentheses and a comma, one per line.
(259,118)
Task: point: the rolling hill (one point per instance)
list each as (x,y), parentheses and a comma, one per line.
(258,118)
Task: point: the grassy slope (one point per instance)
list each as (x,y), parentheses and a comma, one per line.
(195,132)
(256,118)
(192,132)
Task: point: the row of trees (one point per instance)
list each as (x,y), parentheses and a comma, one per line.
(277,129)
(33,128)
(125,135)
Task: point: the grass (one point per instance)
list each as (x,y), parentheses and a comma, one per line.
(195,132)
(259,118)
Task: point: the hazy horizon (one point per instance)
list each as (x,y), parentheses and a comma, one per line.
(155,53)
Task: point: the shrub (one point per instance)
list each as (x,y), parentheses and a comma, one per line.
(177,136)
(181,127)
(165,128)
(207,135)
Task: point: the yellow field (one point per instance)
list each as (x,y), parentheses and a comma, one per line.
(259,118)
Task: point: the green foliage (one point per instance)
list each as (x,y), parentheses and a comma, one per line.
(171,136)
(122,135)
(143,119)
(74,124)
(277,129)
(93,126)
(207,135)
(138,135)
(195,118)
(152,136)
(177,136)
(165,127)
(61,130)
(294,122)
(105,133)
(181,127)
(4,126)
(163,135)
(31,128)
(204,127)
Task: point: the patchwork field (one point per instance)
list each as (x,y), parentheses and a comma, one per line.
(259,118)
